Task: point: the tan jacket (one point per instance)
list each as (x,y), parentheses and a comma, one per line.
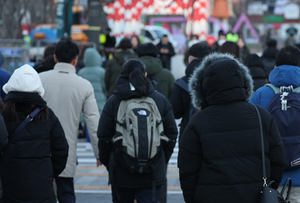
(68,95)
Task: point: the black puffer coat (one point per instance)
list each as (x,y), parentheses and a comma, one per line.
(34,157)
(121,177)
(181,99)
(259,77)
(220,150)
(268,59)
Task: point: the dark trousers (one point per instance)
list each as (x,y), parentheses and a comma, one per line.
(128,195)
(65,190)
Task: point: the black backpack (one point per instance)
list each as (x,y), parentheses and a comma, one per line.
(184,85)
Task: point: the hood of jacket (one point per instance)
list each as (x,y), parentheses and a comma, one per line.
(285,75)
(153,64)
(220,79)
(121,56)
(123,90)
(257,72)
(92,58)
(270,52)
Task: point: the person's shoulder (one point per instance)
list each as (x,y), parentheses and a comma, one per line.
(4,73)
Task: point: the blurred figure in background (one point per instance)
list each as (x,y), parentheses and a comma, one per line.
(165,51)
(38,152)
(110,39)
(4,76)
(257,71)
(48,60)
(290,40)
(269,55)
(113,66)
(230,48)
(220,42)
(135,41)
(148,55)
(94,72)
(244,51)
(194,39)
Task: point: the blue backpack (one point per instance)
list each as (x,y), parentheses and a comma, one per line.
(285,109)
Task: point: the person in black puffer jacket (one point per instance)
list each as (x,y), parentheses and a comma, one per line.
(132,83)
(257,71)
(219,156)
(180,99)
(269,55)
(39,152)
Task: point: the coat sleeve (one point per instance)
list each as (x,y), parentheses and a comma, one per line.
(106,131)
(170,130)
(177,102)
(91,117)
(3,134)
(171,50)
(276,154)
(189,163)
(108,75)
(59,148)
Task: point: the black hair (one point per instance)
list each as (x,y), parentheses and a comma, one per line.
(125,44)
(147,49)
(253,60)
(220,33)
(288,55)
(231,48)
(49,50)
(199,50)
(136,71)
(272,43)
(165,35)
(66,50)
(192,36)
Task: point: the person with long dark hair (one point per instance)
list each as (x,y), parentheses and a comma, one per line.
(133,83)
(39,152)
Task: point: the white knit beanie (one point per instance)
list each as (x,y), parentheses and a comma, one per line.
(24,79)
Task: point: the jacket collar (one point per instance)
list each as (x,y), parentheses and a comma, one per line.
(65,67)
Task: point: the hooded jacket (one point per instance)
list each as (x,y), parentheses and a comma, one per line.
(219,156)
(284,75)
(259,76)
(119,176)
(154,68)
(113,68)
(181,99)
(94,73)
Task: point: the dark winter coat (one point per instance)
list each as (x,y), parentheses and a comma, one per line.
(3,134)
(180,99)
(34,157)
(113,68)
(259,77)
(166,58)
(154,68)
(107,124)
(220,150)
(268,59)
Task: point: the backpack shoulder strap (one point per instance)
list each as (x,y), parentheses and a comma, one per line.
(275,89)
(24,123)
(184,85)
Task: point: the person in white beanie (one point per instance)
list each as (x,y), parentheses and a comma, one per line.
(38,152)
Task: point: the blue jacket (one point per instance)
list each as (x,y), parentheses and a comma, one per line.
(284,75)
(4,77)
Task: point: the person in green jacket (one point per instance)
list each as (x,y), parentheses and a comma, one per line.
(94,72)
(148,55)
(113,67)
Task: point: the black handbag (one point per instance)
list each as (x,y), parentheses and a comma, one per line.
(268,194)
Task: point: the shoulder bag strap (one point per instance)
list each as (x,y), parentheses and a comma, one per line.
(24,123)
(262,147)
(275,89)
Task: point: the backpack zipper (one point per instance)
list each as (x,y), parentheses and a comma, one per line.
(151,139)
(134,143)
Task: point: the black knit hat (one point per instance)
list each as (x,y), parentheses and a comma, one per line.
(199,50)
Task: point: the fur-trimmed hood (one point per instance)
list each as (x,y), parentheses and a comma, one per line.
(220,79)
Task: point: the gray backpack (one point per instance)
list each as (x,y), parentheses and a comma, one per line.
(139,131)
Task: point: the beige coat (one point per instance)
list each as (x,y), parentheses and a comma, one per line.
(68,95)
